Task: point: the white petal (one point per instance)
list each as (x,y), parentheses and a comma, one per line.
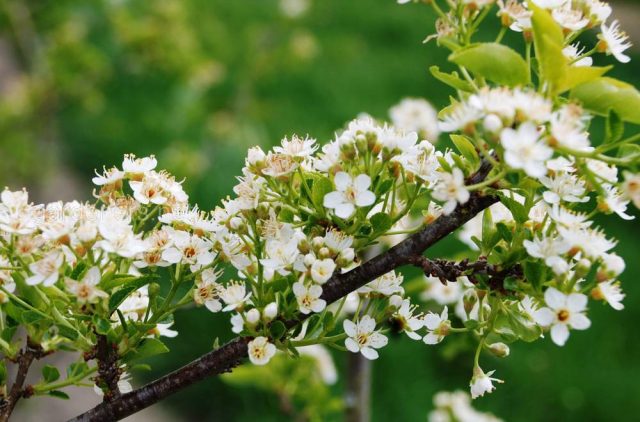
(367,324)
(351,345)
(544,317)
(577,302)
(579,321)
(378,340)
(366,198)
(432,321)
(554,298)
(369,353)
(560,334)
(431,339)
(349,327)
(213,305)
(333,199)
(345,210)
(362,182)
(342,181)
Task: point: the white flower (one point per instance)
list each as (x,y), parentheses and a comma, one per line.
(261,351)
(124,385)
(164,330)
(86,290)
(149,190)
(234,295)
(308,298)
(549,249)
(523,149)
(207,291)
(134,165)
(437,326)
(563,187)
(135,305)
(407,322)
(279,165)
(363,338)
(461,117)
(569,18)
(322,270)
(614,41)
(189,249)
(297,147)
(614,202)
(481,383)
(631,187)
(281,256)
(324,362)
(451,190)
(598,10)
(573,52)
(47,270)
(549,4)
(108,177)
(562,312)
(349,194)
(611,292)
(388,284)
(442,294)
(416,114)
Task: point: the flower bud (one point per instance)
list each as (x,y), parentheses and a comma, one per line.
(492,123)
(309,259)
(500,349)
(304,246)
(270,311)
(346,257)
(154,289)
(237,224)
(317,242)
(324,253)
(395,301)
(469,301)
(253,316)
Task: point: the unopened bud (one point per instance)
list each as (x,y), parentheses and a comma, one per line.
(237,224)
(317,242)
(270,311)
(395,301)
(492,123)
(309,259)
(346,257)
(469,301)
(500,350)
(253,316)
(324,253)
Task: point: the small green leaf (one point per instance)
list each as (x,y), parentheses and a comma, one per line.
(121,294)
(451,79)
(519,211)
(495,62)
(535,272)
(614,128)
(277,329)
(59,394)
(149,347)
(76,368)
(548,44)
(577,75)
(102,325)
(381,222)
(50,373)
(603,95)
(321,187)
(466,148)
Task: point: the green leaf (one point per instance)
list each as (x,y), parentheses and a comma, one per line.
(614,128)
(149,347)
(535,272)
(381,222)
(76,368)
(31,317)
(451,79)
(321,187)
(519,211)
(59,394)
(50,373)
(466,148)
(548,44)
(277,330)
(102,325)
(603,95)
(129,287)
(523,326)
(495,62)
(577,75)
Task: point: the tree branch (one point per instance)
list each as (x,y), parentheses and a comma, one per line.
(229,356)
(106,354)
(24,360)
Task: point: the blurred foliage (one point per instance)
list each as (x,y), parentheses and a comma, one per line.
(198,81)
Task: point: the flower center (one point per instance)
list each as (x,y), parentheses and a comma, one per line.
(563,315)
(362,339)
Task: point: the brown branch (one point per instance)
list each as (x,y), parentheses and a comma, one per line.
(24,360)
(106,354)
(228,356)
(493,276)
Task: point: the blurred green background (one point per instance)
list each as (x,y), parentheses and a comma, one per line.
(197,82)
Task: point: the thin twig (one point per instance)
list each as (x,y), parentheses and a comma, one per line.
(24,360)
